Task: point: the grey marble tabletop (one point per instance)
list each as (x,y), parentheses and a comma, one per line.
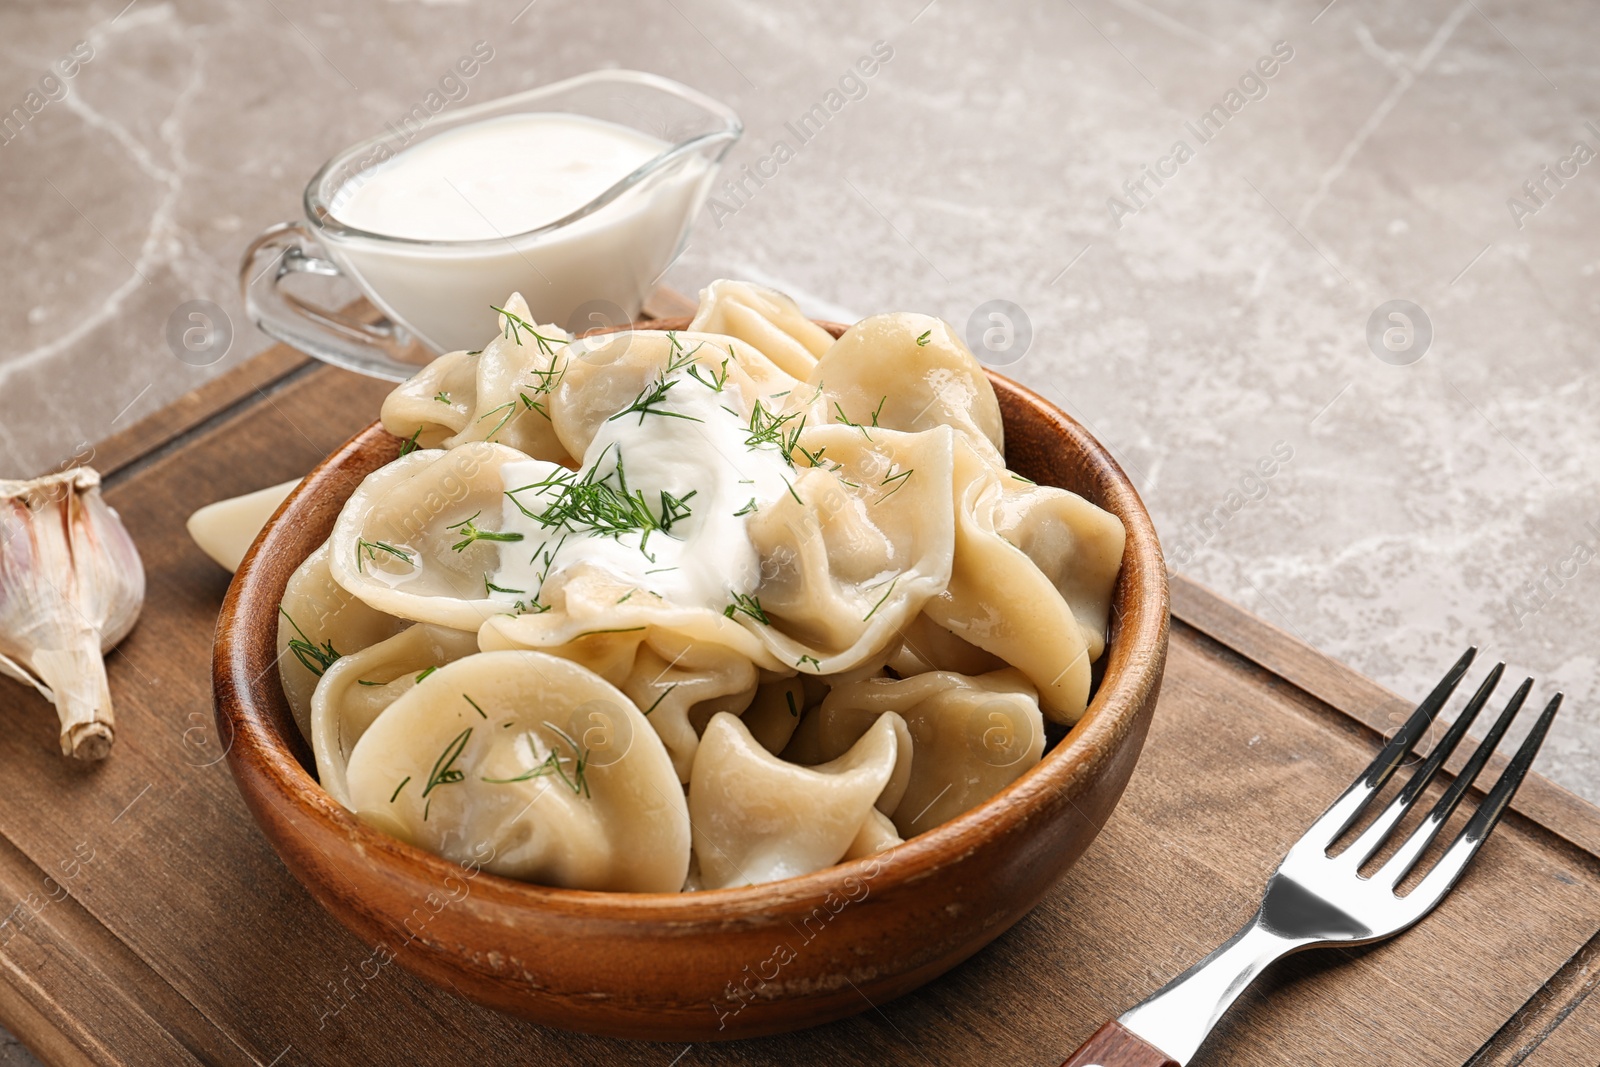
(1205,212)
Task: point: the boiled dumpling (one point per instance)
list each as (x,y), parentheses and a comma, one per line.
(856,550)
(422,537)
(533,760)
(500,394)
(765,319)
(757,818)
(970,737)
(318,622)
(359,686)
(999,600)
(907,372)
(651,370)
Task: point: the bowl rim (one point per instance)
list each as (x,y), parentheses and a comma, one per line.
(1133,659)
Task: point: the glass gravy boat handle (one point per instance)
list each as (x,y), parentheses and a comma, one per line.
(378,347)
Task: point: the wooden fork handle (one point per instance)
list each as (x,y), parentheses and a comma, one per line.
(1114,1045)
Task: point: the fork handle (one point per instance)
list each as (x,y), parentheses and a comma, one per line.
(1114,1045)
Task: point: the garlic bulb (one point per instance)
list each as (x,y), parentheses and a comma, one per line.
(71,586)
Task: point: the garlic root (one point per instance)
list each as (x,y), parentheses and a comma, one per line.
(71,587)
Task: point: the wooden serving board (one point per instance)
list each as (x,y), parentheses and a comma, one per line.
(146,921)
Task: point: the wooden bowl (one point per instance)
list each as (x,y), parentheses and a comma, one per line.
(711,965)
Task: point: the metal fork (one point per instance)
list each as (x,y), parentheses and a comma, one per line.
(1314,899)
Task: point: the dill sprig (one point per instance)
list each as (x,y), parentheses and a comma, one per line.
(664,694)
(510,409)
(368,550)
(768,429)
(591,502)
(713,380)
(443,772)
(490,587)
(748,509)
(312,656)
(898,480)
(442,397)
(514,326)
(746,604)
(922,338)
(801,662)
(551,765)
(410,444)
(881,599)
(470,533)
(649,397)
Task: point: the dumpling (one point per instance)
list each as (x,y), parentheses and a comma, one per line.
(605,374)
(999,600)
(926,646)
(877,834)
(970,737)
(852,554)
(907,372)
(421,538)
(765,319)
(318,622)
(359,686)
(677,677)
(757,818)
(775,711)
(535,760)
(1077,545)
(499,394)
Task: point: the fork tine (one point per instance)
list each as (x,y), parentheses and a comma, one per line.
(1438,881)
(1372,838)
(1399,865)
(1343,812)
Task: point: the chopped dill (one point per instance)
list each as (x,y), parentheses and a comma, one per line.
(747,509)
(425,673)
(490,587)
(410,444)
(551,764)
(312,656)
(590,502)
(402,785)
(768,429)
(624,597)
(881,599)
(787,485)
(510,409)
(657,701)
(371,549)
(363,681)
(788,695)
(469,533)
(922,338)
(651,395)
(744,603)
(898,480)
(801,662)
(442,397)
(475,707)
(616,630)
(714,380)
(514,326)
(443,773)
(1020,478)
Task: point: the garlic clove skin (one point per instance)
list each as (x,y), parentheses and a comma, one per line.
(71,587)
(226,529)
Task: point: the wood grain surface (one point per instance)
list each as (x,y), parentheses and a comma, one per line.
(146,920)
